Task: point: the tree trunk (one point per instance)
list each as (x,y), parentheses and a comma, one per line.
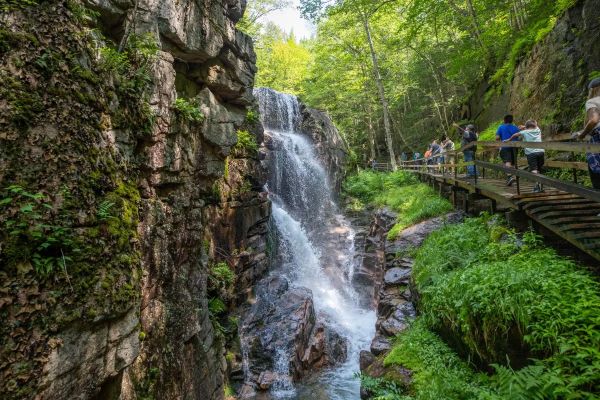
(381,90)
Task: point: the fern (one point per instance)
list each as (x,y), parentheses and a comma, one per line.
(104,210)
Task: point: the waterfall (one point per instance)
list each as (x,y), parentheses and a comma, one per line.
(316,243)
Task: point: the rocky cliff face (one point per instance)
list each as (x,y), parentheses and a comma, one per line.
(550,84)
(329,144)
(117,119)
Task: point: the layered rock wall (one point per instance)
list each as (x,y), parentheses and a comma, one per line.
(550,83)
(106,296)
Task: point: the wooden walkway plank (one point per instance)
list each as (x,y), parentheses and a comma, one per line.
(572,216)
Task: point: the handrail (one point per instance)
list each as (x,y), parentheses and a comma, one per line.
(579,147)
(582,191)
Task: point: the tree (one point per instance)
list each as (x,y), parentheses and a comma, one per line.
(363,10)
(256,10)
(282,61)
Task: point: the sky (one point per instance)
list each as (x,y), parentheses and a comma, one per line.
(289,20)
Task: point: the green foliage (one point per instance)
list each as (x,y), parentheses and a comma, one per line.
(497,292)
(188,110)
(220,276)
(252,116)
(414,202)
(131,64)
(246,142)
(216,306)
(438,373)
(113,60)
(489,133)
(432,56)
(7,5)
(381,388)
(28,237)
(367,185)
(282,61)
(104,210)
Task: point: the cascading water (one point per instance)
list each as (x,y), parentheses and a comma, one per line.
(316,242)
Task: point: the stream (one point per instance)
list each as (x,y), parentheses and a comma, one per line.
(315,248)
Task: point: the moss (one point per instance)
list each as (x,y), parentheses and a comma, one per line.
(10,39)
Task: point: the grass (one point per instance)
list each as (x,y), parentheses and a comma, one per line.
(504,300)
(400,191)
(489,134)
(438,373)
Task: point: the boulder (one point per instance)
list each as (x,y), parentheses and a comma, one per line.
(282,323)
(396,276)
(380,345)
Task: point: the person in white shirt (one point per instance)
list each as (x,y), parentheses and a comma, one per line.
(592,128)
(535,157)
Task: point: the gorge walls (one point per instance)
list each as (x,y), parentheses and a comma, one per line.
(550,83)
(116,191)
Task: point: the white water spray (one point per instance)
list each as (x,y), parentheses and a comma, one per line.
(317,243)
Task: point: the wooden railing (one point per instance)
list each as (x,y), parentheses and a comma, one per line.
(484,148)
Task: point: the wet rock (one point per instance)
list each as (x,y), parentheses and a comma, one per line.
(266,379)
(326,347)
(396,276)
(366,359)
(380,345)
(329,144)
(281,327)
(368,277)
(399,320)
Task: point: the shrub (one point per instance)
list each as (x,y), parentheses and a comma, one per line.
(251,116)
(220,275)
(414,202)
(188,110)
(28,236)
(438,373)
(245,142)
(366,185)
(498,293)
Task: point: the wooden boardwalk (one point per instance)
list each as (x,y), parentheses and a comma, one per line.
(569,210)
(573,217)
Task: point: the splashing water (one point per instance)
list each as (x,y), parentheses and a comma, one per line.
(316,245)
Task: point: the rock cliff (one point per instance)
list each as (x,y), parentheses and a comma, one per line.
(121,186)
(550,83)
(329,144)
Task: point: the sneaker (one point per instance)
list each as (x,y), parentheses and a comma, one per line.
(538,188)
(510,180)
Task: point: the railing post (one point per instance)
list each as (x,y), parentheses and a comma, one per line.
(475,166)
(574,169)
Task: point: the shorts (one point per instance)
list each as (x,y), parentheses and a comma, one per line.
(536,161)
(508,154)
(595,177)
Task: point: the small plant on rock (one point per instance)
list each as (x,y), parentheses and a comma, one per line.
(188,110)
(246,143)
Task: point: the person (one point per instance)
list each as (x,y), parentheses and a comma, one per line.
(417,158)
(447,146)
(535,157)
(507,154)
(436,150)
(469,135)
(592,128)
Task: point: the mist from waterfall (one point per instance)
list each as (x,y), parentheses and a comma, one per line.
(316,243)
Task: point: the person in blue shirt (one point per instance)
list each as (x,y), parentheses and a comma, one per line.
(508,154)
